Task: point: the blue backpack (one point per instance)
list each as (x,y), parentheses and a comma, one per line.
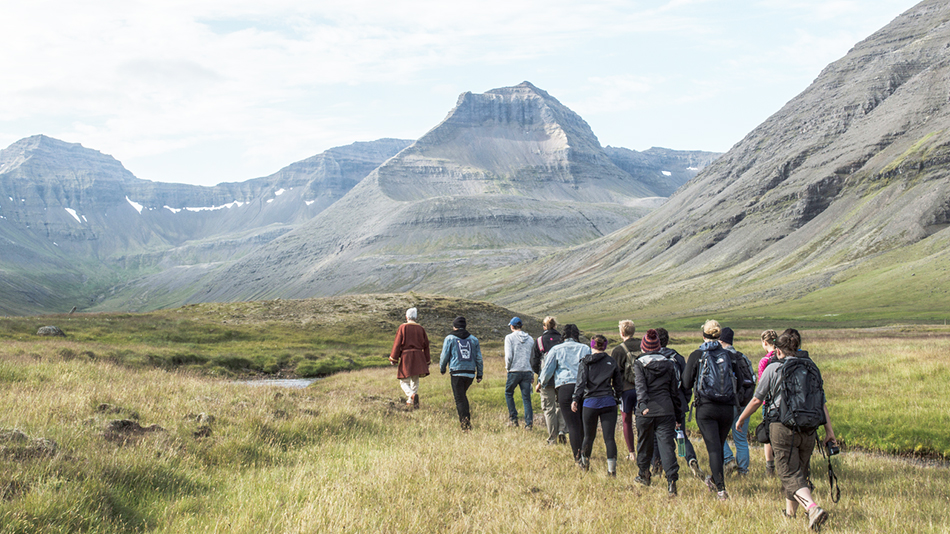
(716,382)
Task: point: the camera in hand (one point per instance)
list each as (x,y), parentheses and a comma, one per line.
(833,448)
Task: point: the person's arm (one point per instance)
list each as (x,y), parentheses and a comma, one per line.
(536,357)
(689,375)
(829,431)
(750,409)
(675,393)
(446,355)
(580,386)
(396,354)
(617,379)
(479,368)
(640,381)
(547,368)
(509,351)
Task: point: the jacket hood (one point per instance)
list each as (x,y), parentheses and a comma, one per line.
(522,337)
(461,333)
(595,357)
(710,345)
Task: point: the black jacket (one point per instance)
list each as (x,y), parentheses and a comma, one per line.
(598,375)
(548,339)
(657,388)
(691,373)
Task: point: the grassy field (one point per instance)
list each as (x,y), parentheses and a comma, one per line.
(345,456)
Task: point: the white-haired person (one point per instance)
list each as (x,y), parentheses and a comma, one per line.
(411,353)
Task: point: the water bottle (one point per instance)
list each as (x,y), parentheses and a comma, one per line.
(681,444)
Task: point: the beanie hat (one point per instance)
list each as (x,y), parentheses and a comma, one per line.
(726,336)
(650,342)
(459,323)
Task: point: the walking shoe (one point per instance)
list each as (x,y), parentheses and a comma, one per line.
(512,422)
(643,478)
(697,471)
(529,427)
(657,468)
(561,438)
(710,484)
(816,518)
(770,472)
(671,488)
(729,467)
(722,495)
(583,463)
(415,400)
(612,474)
(785,514)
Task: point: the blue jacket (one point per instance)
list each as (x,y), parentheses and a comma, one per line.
(561,363)
(460,364)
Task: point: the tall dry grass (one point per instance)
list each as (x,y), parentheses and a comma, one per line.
(345,456)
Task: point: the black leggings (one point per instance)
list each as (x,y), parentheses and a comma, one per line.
(714,421)
(608,423)
(565,396)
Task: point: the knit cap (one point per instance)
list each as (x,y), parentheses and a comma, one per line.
(650,342)
(459,323)
(726,336)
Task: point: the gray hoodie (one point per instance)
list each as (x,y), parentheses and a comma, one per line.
(518,347)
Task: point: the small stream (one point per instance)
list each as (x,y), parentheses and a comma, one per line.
(293,383)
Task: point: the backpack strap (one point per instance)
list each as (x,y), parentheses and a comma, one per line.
(541,344)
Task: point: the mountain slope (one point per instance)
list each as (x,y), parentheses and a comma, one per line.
(74,222)
(856,166)
(508,175)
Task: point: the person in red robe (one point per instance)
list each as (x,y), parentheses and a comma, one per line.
(411,353)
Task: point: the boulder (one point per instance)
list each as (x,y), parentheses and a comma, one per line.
(50,331)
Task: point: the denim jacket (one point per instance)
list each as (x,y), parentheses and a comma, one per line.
(561,362)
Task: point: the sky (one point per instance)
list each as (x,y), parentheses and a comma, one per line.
(204,92)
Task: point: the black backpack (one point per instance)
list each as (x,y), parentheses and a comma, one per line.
(745,379)
(803,395)
(716,381)
(629,374)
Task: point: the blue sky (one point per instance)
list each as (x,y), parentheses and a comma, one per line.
(210,91)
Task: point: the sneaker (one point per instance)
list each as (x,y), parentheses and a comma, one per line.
(697,471)
(729,467)
(643,479)
(671,488)
(722,495)
(710,484)
(816,518)
(583,463)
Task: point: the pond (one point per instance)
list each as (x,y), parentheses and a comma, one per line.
(293,383)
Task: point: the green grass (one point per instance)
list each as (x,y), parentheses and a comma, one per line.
(345,456)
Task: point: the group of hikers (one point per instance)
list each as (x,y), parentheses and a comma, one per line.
(654,386)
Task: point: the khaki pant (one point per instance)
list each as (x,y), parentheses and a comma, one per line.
(793,452)
(553,418)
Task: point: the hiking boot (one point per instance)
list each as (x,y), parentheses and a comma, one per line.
(729,467)
(643,478)
(612,467)
(671,488)
(512,422)
(769,472)
(657,468)
(697,471)
(710,484)
(561,438)
(722,495)
(583,463)
(816,518)
(415,400)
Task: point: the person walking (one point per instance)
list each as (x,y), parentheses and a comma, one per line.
(680,362)
(794,422)
(518,364)
(624,353)
(596,395)
(658,410)
(561,363)
(463,358)
(739,462)
(411,353)
(711,372)
(768,345)
(553,418)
